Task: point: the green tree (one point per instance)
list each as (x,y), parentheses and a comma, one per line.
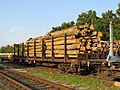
(64,25)
(88,18)
(118,10)
(6,49)
(102,24)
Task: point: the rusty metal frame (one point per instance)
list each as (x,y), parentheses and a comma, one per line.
(23,50)
(43,51)
(18,53)
(16,46)
(14,49)
(65,48)
(27,50)
(52,58)
(34,49)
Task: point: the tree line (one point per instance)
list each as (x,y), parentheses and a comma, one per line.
(10,49)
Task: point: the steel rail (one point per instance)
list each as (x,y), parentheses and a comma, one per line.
(14,83)
(42,81)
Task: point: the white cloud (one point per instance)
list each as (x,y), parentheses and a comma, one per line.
(14,29)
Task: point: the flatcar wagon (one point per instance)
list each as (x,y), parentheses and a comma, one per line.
(74,49)
(6,56)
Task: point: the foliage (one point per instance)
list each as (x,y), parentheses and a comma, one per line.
(64,25)
(6,49)
(118,10)
(10,49)
(88,18)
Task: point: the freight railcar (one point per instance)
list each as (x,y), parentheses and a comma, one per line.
(6,56)
(73,49)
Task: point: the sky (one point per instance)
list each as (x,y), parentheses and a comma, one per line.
(24,19)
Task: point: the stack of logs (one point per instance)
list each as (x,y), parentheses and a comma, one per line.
(32,46)
(105,47)
(79,39)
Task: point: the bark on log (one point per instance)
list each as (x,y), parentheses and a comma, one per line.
(62,56)
(62,51)
(61,38)
(79,39)
(99,34)
(61,47)
(61,42)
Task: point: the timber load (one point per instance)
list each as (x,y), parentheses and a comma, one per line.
(105,47)
(68,42)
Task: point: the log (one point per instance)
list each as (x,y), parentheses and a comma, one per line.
(99,34)
(83,33)
(81,52)
(83,26)
(91,27)
(38,40)
(95,40)
(94,33)
(32,44)
(31,48)
(62,51)
(82,48)
(94,48)
(68,32)
(38,55)
(38,44)
(74,41)
(61,47)
(72,29)
(31,52)
(38,50)
(99,45)
(61,38)
(83,40)
(30,41)
(62,56)
(88,46)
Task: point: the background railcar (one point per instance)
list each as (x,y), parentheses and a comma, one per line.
(6,56)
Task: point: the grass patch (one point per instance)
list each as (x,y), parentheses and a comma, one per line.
(74,81)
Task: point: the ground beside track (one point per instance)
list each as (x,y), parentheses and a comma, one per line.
(76,81)
(4,85)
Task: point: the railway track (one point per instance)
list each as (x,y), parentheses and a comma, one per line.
(12,83)
(29,82)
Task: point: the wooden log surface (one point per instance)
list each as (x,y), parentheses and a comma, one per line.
(62,51)
(61,38)
(80,38)
(99,34)
(68,31)
(69,47)
(62,56)
(61,42)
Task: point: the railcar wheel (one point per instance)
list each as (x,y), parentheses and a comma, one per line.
(61,67)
